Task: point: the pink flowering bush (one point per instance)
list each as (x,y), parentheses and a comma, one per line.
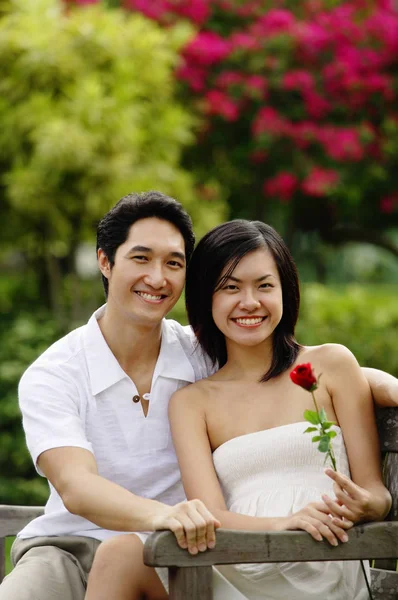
(299,104)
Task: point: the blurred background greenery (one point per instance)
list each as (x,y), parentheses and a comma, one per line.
(221,104)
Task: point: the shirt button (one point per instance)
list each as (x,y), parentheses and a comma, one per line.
(136,399)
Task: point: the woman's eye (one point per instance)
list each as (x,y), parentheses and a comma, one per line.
(266,285)
(230,287)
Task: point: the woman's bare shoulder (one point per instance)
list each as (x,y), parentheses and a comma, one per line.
(193,395)
(328,356)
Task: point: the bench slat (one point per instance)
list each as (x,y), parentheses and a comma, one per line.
(14,518)
(387,424)
(376,540)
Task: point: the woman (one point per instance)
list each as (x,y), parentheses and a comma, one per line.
(239,433)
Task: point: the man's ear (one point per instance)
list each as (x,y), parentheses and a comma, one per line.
(103,263)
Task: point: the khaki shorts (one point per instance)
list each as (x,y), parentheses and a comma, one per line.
(49,568)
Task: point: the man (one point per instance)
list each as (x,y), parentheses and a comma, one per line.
(95,404)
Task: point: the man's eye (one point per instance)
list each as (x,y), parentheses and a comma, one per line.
(175,263)
(140,257)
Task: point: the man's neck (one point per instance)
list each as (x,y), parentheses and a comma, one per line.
(133,344)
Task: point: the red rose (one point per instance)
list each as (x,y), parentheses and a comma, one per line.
(303,376)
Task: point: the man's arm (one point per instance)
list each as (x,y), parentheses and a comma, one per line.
(384,387)
(73,472)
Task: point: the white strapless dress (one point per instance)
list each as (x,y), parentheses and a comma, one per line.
(274,473)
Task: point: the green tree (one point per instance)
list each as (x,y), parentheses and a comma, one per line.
(88,113)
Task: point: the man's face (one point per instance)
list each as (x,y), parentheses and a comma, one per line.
(148,275)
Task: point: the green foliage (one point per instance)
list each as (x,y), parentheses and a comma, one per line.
(21,342)
(363,318)
(88,113)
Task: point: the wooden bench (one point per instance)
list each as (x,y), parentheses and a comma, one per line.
(191,576)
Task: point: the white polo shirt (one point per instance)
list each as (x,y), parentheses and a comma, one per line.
(77,394)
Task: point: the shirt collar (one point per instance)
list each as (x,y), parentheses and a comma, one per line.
(104,370)
(173,361)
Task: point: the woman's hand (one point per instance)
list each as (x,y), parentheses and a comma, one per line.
(193,525)
(316,520)
(355,503)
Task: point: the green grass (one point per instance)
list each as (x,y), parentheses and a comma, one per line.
(9,542)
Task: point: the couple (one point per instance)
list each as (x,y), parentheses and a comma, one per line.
(95,412)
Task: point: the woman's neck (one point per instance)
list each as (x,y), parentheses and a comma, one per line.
(248,363)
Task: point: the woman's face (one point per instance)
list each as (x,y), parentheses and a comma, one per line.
(248,306)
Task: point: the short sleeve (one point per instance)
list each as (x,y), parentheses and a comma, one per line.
(201,362)
(51,410)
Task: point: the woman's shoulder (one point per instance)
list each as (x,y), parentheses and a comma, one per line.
(328,355)
(192,396)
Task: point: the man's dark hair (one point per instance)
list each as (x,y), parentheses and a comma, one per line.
(224,247)
(114,227)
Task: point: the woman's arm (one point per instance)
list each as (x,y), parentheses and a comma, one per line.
(366,499)
(188,425)
(384,387)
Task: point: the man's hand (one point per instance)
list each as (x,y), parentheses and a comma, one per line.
(193,525)
(353,502)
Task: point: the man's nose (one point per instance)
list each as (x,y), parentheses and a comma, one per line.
(155,277)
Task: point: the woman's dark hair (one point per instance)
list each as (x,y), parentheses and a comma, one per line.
(114,227)
(224,247)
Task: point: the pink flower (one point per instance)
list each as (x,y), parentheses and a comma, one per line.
(229,78)
(389,203)
(154,10)
(258,156)
(305,133)
(256,84)
(245,41)
(206,49)
(276,21)
(268,120)
(341,144)
(319,182)
(317,107)
(281,186)
(197,11)
(194,76)
(298,80)
(218,103)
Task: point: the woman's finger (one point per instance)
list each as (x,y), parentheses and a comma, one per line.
(345,483)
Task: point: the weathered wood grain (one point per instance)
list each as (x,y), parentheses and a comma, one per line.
(384,584)
(14,518)
(376,540)
(387,424)
(390,477)
(193,582)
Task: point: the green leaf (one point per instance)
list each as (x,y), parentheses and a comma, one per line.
(309,429)
(324,444)
(328,424)
(331,434)
(311,416)
(322,415)
(316,438)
